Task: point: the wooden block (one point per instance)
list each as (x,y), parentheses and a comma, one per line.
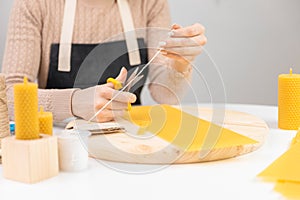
(30,161)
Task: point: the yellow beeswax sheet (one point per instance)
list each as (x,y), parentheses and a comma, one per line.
(182,129)
(288,189)
(286,167)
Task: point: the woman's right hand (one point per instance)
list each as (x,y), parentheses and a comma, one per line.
(86,102)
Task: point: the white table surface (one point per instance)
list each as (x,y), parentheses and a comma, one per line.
(228,179)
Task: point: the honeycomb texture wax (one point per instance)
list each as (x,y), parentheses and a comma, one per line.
(289,101)
(26,110)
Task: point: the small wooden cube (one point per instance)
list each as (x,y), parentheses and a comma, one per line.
(30,161)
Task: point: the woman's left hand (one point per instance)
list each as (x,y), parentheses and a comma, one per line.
(184,44)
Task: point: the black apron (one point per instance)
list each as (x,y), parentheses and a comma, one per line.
(93,64)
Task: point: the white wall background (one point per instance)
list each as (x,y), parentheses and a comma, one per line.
(5,6)
(251,41)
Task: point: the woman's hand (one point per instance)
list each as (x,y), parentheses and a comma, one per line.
(183,45)
(85,103)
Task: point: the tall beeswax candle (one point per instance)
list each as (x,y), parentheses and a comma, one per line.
(26,110)
(45,121)
(289,101)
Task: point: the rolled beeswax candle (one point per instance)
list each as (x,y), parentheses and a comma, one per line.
(26,110)
(289,101)
(45,121)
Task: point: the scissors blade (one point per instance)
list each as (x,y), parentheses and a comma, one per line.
(135,81)
(131,77)
(133,74)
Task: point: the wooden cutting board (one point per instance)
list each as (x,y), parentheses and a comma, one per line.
(122,147)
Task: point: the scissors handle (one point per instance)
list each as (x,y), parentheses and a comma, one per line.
(117,86)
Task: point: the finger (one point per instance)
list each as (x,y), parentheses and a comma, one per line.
(104,116)
(184,51)
(104,119)
(199,40)
(122,75)
(109,115)
(121,78)
(176,26)
(110,85)
(189,31)
(184,59)
(114,105)
(124,97)
(109,93)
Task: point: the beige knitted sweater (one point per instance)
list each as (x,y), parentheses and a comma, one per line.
(36,24)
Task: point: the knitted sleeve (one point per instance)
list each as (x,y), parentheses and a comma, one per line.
(22,57)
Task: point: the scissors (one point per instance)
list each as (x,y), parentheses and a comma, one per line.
(130,81)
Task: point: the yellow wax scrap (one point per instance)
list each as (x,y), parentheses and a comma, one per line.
(45,122)
(288,189)
(184,130)
(286,167)
(296,139)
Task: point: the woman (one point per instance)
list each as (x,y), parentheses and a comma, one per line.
(48,41)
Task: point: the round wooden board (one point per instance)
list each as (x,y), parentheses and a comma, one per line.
(122,147)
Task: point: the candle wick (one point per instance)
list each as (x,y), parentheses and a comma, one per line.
(25,80)
(291,71)
(41,109)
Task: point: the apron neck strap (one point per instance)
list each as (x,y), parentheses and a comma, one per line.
(65,46)
(64,58)
(130,35)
